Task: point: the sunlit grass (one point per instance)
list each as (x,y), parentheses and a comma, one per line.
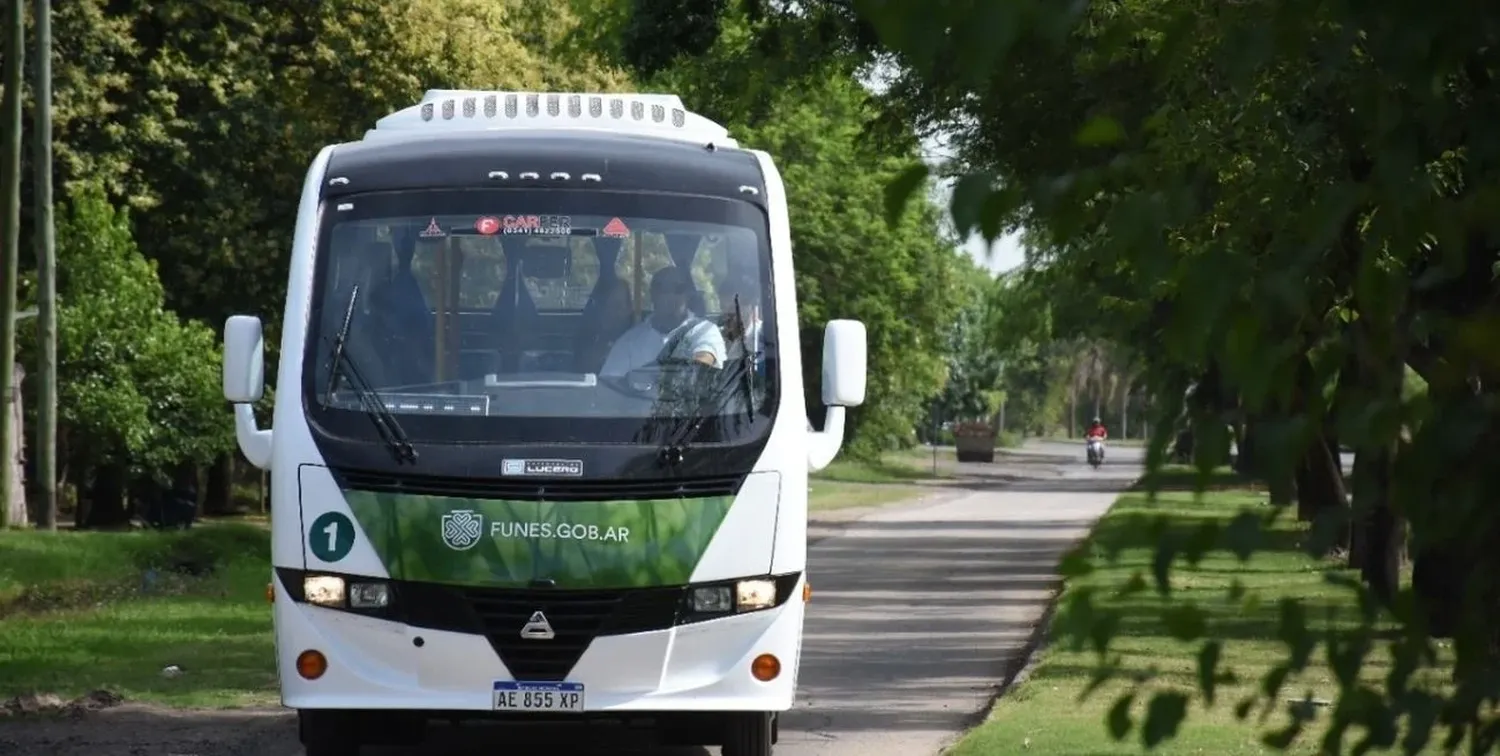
(1047,714)
(78,612)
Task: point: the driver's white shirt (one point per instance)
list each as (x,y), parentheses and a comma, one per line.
(640,345)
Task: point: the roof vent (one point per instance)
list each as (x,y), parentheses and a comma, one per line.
(462,111)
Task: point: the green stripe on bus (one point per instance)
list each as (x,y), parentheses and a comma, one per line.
(503,543)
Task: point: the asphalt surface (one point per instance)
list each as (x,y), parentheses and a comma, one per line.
(920,612)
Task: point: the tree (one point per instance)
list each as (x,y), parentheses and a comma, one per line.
(972,390)
(903,282)
(139,387)
(202,117)
(10,233)
(1292,203)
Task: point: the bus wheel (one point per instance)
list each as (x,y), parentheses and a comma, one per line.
(748,734)
(327,733)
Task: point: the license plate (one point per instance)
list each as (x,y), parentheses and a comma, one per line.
(524,696)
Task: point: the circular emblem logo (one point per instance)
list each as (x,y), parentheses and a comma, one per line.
(331,536)
(487,225)
(461,528)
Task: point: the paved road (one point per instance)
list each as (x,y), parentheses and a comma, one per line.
(918,613)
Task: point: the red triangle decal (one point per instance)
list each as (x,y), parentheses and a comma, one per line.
(616,228)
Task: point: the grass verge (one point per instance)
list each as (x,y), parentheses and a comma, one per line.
(85,611)
(1048,713)
(893,478)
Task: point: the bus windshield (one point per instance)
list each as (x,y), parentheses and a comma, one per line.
(499,306)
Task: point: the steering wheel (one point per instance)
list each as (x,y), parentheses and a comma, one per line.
(645,382)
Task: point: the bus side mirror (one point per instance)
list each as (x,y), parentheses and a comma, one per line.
(244,360)
(844,368)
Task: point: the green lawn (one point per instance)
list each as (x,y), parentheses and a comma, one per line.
(78,613)
(1046,714)
(848,483)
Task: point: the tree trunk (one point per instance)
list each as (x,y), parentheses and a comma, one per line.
(13,51)
(1383,533)
(13,495)
(218,496)
(107,507)
(43,231)
(1320,489)
(1247,461)
(1072,410)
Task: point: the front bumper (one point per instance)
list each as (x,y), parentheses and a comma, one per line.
(383,663)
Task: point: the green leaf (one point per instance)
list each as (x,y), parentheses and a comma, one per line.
(1102,674)
(1099,131)
(970,193)
(1202,540)
(997,205)
(1236,590)
(1075,563)
(1274,680)
(1243,706)
(1161,564)
(1135,584)
(1422,715)
(1282,739)
(899,191)
(1106,626)
(1208,662)
(1163,716)
(1185,622)
(1293,631)
(1118,720)
(1243,535)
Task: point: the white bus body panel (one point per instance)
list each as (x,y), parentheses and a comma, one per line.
(375,663)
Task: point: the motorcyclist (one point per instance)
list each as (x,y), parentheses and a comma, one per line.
(1096,433)
(1096,430)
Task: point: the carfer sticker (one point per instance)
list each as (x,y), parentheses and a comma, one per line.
(615,228)
(487,225)
(546,225)
(433,230)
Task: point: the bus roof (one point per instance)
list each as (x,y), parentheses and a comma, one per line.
(444,112)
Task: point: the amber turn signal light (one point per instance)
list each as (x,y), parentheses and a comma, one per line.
(765,668)
(311,664)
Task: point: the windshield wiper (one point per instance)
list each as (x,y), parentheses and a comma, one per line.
(676,446)
(385,421)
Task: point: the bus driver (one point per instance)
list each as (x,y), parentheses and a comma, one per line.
(690,336)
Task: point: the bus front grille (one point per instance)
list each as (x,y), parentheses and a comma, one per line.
(575,617)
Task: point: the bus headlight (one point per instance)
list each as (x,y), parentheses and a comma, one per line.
(334,592)
(323,590)
(369,595)
(729,598)
(750,595)
(712,599)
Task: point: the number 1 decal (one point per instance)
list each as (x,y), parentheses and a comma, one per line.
(331,536)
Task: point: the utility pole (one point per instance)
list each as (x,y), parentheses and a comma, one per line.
(46,274)
(14,50)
